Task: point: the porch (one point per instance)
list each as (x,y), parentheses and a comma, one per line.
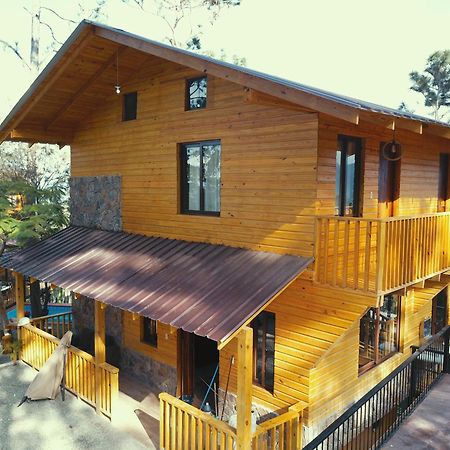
(146,279)
(378,256)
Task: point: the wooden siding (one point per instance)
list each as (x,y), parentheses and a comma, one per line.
(335,382)
(165,352)
(268,162)
(308,320)
(419,167)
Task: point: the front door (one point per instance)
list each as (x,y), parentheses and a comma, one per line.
(388,186)
(439,317)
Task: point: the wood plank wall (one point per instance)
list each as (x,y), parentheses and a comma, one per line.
(309,319)
(268,164)
(334,380)
(419,167)
(165,352)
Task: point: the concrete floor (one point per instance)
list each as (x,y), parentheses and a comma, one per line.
(69,425)
(428,427)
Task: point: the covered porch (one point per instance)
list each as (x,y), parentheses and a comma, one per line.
(196,289)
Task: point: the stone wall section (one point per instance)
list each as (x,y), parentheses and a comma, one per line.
(95,202)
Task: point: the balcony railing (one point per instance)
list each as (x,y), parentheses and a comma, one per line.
(381,255)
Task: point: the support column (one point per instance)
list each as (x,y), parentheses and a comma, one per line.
(244,389)
(100,349)
(20,295)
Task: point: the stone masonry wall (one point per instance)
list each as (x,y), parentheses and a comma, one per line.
(95,202)
(130,362)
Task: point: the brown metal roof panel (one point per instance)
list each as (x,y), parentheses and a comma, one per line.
(207,289)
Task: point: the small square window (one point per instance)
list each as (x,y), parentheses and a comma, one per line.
(129,106)
(196,93)
(149,333)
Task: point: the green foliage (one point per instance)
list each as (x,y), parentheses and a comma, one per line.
(42,214)
(434,82)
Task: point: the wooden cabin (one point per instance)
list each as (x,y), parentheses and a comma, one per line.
(195,153)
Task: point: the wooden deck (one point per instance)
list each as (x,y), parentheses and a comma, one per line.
(428,427)
(138,411)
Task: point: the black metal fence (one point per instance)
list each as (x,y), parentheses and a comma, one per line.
(372,419)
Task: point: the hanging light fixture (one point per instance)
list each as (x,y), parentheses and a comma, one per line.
(117,86)
(392,150)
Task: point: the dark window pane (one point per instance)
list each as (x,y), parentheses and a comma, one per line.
(193,155)
(427,329)
(348,176)
(367,329)
(264,349)
(200,184)
(197,93)
(338,182)
(149,334)
(388,328)
(211,177)
(129,111)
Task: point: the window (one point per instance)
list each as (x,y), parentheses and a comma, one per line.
(379,332)
(348,176)
(149,333)
(196,93)
(200,178)
(129,106)
(264,350)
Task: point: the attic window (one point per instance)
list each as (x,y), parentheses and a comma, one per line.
(129,106)
(196,93)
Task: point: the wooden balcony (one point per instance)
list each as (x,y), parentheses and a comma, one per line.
(378,256)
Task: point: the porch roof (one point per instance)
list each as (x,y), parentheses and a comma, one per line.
(210,290)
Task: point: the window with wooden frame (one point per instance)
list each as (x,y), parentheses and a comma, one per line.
(129,106)
(349,176)
(149,334)
(200,178)
(379,333)
(196,93)
(264,350)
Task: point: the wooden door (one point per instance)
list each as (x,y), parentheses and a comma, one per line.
(185,364)
(388,186)
(443,188)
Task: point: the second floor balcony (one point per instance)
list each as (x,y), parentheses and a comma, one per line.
(378,256)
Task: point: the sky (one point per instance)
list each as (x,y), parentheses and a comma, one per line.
(360,48)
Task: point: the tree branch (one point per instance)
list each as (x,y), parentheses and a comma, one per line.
(58,15)
(51,31)
(15,50)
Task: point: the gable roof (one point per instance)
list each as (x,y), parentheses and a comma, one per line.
(83,71)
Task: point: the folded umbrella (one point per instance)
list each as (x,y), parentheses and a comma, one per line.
(48,380)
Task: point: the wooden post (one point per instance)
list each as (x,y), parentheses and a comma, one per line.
(381,276)
(20,295)
(100,350)
(244,389)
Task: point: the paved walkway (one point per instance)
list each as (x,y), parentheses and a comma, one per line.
(428,427)
(54,425)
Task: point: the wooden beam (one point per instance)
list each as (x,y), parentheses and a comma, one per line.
(100,349)
(85,86)
(244,389)
(20,295)
(33,135)
(392,123)
(267,86)
(47,82)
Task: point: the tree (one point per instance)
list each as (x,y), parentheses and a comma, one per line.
(434,83)
(405,108)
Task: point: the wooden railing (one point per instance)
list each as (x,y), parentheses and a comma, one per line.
(56,324)
(281,432)
(183,426)
(36,348)
(381,255)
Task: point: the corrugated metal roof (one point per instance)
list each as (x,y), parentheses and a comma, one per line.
(210,290)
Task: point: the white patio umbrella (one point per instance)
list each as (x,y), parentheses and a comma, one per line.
(48,380)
